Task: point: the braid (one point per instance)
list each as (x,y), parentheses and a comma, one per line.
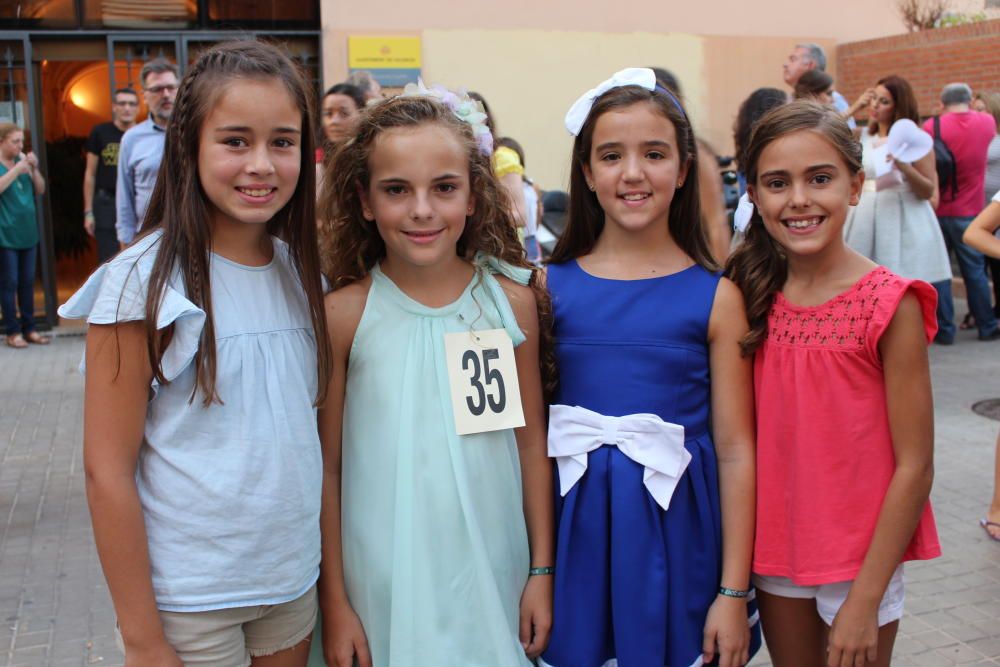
(759,266)
(759,269)
(178,206)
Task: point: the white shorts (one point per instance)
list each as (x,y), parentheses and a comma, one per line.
(830,597)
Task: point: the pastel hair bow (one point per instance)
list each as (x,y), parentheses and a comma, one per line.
(743,214)
(630,76)
(464,107)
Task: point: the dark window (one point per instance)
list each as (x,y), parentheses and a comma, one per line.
(38,13)
(264,13)
(142,14)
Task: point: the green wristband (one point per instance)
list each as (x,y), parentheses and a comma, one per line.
(541,570)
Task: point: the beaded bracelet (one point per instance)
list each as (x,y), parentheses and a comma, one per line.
(733,592)
(541,570)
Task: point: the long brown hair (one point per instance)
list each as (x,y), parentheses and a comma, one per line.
(903,99)
(586,217)
(758,265)
(178,206)
(353,245)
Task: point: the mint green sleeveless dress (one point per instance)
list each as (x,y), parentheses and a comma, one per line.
(434,537)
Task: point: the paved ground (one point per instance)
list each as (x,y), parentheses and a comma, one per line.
(55,609)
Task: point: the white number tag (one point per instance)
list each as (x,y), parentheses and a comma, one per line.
(485,394)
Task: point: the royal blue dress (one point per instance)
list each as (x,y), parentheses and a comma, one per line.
(633,582)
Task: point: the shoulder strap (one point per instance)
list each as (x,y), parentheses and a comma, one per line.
(493,264)
(488,266)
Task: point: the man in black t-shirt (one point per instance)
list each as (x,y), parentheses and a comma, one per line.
(102,172)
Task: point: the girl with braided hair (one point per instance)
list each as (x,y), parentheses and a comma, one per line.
(437,515)
(202,374)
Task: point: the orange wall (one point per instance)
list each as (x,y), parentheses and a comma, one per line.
(532,59)
(844,20)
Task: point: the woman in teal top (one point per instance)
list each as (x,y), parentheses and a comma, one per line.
(20,181)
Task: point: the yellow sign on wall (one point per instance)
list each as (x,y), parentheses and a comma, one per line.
(375,53)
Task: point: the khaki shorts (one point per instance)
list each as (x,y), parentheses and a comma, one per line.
(830,597)
(231,637)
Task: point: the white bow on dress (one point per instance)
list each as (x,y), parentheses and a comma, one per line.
(574,432)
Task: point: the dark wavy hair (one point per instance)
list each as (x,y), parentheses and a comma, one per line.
(586,217)
(903,99)
(352,245)
(758,266)
(753,107)
(179,208)
(812,83)
(349,90)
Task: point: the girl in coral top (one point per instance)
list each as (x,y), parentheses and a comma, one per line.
(845,430)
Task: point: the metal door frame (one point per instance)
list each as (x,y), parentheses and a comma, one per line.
(43,213)
(154,37)
(32,70)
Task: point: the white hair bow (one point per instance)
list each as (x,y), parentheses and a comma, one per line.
(743,214)
(630,76)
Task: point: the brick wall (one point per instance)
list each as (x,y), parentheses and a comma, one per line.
(928,60)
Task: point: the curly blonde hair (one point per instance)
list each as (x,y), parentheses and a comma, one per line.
(351,246)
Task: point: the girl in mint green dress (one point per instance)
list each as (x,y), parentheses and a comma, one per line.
(437,547)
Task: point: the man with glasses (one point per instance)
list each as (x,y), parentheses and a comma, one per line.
(142,147)
(102,172)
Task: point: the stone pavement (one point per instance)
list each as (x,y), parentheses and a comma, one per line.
(55,609)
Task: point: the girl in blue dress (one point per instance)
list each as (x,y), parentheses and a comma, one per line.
(652,426)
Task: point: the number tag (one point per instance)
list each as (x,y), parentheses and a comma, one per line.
(485,394)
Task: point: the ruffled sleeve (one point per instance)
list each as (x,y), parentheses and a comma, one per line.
(888,303)
(505,161)
(490,266)
(117,292)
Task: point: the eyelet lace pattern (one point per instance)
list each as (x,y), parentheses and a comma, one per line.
(841,323)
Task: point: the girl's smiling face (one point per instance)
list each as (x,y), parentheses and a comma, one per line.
(420,206)
(634,166)
(803,192)
(249,154)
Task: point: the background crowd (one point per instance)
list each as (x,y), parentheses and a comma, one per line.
(925,182)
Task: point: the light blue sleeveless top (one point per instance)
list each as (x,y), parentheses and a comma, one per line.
(434,538)
(230,493)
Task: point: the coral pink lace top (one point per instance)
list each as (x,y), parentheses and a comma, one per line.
(824,449)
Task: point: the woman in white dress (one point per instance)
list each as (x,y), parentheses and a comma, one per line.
(894,222)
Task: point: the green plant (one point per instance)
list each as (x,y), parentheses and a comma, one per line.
(949,20)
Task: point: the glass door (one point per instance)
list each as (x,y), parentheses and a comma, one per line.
(127,55)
